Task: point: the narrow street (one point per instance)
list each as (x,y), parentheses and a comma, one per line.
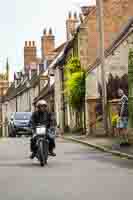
(76,173)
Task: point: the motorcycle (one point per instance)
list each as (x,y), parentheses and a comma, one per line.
(42,145)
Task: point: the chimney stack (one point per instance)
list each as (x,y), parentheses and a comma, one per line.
(30,54)
(48,44)
(71,24)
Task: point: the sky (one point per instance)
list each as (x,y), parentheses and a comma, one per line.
(22,20)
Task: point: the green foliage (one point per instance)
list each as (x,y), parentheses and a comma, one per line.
(75,89)
(73,65)
(75,83)
(130,60)
(130,67)
(130,84)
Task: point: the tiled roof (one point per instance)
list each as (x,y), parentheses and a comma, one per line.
(13,92)
(59,48)
(60,59)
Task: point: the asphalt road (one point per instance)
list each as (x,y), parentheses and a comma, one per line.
(77,173)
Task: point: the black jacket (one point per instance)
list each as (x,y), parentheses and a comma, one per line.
(40,118)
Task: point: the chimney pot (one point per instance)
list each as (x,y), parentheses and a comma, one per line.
(71,25)
(45,31)
(75,15)
(30,43)
(33,43)
(26,43)
(85,10)
(50,31)
(70,15)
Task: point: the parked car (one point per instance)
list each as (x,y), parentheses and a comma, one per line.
(19,124)
(10,125)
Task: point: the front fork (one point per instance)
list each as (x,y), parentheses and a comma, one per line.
(44,140)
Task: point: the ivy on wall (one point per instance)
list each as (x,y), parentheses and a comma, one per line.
(75,83)
(75,89)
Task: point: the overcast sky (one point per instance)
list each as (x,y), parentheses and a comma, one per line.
(22,20)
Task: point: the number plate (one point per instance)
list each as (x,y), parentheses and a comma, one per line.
(41,131)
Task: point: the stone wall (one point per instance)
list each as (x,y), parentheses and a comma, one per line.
(58,97)
(116,64)
(116,15)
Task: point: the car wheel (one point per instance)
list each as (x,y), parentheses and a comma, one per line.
(14,134)
(10,132)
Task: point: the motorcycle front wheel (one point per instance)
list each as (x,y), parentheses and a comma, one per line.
(43,152)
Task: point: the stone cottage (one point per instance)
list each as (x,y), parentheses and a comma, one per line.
(116,75)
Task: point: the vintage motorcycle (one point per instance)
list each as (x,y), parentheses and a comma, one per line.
(41,134)
(42,144)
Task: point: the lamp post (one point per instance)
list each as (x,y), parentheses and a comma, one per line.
(100,16)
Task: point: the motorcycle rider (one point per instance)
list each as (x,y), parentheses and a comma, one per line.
(41,117)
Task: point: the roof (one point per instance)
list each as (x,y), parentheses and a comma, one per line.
(13,92)
(44,92)
(87,9)
(124,33)
(59,48)
(60,59)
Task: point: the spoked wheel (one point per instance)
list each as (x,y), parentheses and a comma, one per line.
(43,152)
(46,152)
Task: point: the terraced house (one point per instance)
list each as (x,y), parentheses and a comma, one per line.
(29,84)
(44,77)
(84,44)
(4,85)
(116,75)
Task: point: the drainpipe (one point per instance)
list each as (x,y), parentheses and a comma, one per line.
(62,100)
(29,94)
(29,99)
(100,20)
(16,104)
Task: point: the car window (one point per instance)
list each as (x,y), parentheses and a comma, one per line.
(21,116)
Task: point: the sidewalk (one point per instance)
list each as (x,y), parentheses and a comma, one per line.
(106,144)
